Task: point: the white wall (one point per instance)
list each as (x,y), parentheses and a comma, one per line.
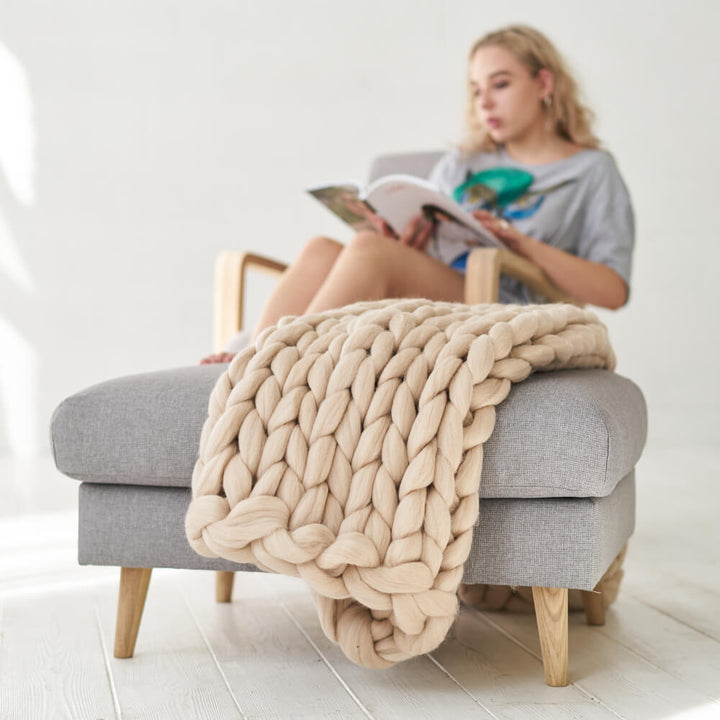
(138,139)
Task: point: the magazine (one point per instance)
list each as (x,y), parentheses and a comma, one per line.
(397,199)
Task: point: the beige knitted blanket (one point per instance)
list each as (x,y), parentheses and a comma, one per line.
(346,448)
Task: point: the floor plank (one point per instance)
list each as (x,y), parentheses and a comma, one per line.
(509,680)
(173,674)
(674,556)
(685,602)
(679,650)
(416,688)
(271,667)
(621,679)
(51,660)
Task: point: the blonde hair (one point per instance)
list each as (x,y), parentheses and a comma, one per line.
(570,119)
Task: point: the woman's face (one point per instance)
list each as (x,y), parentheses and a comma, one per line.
(507,99)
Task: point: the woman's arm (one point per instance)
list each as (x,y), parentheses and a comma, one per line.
(585,280)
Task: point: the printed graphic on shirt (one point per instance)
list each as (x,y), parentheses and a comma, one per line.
(503,191)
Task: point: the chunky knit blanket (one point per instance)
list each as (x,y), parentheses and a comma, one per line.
(346,448)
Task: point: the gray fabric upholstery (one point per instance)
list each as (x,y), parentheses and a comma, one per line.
(139,429)
(571,433)
(138,526)
(566,542)
(551,542)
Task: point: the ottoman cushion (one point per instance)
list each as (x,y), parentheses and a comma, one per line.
(559,542)
(573,433)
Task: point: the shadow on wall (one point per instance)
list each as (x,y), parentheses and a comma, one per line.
(18,358)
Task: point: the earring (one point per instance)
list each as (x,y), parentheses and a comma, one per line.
(547,101)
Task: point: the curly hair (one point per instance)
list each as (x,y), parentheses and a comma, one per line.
(571,120)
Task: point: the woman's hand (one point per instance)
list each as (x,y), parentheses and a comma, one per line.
(416,235)
(382,227)
(507,232)
(418,232)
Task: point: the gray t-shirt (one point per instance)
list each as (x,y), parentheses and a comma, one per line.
(579,204)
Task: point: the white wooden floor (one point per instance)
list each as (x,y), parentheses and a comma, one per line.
(264,655)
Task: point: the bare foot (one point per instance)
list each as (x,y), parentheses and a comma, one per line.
(223,357)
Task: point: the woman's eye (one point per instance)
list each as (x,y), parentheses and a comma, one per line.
(502,84)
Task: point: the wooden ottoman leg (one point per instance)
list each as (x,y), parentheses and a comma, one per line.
(594,606)
(224,586)
(551,611)
(131,601)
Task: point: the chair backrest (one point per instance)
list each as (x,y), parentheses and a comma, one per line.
(417,163)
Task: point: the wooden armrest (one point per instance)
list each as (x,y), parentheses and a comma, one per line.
(230,269)
(485,265)
(482,282)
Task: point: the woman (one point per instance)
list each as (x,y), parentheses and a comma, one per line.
(530,171)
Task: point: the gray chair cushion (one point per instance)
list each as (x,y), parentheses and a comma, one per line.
(419,164)
(573,433)
(561,542)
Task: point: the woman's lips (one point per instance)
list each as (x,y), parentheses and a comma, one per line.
(494,122)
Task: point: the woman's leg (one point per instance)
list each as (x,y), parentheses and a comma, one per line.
(300,282)
(328,275)
(295,289)
(373,267)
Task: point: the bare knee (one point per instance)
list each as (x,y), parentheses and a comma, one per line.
(370,244)
(370,255)
(320,248)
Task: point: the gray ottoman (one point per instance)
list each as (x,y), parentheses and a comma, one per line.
(557,493)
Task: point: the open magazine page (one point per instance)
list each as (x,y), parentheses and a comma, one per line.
(398,198)
(346,202)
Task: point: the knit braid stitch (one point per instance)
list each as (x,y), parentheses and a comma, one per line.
(346,448)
